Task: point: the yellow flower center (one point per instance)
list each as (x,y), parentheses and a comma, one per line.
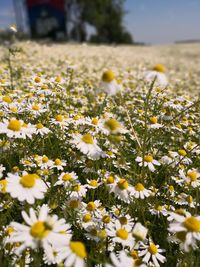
(87,217)
(112,124)
(39,230)
(159,68)
(74,204)
(95,121)
(39,125)
(45,159)
(108,76)
(58,162)
(59,118)
(122,233)
(122,184)
(35,107)
(2,81)
(14,125)
(93,183)
(153,120)
(7,99)
(123,220)
(152,249)
(88,139)
(139,187)
(3,185)
(192,224)
(13,109)
(192,176)
(93,232)
(91,206)
(28,180)
(78,248)
(148,158)
(76,187)
(182,152)
(106,219)
(158,207)
(37,79)
(171,188)
(58,79)
(110,180)
(67,177)
(189,199)
(9,230)
(102,234)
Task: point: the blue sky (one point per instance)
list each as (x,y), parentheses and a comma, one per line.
(150,21)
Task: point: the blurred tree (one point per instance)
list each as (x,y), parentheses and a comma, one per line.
(105,15)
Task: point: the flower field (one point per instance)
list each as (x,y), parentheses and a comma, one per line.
(100,155)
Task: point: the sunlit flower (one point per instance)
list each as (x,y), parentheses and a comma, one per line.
(148,161)
(27,187)
(88,145)
(40,230)
(187,230)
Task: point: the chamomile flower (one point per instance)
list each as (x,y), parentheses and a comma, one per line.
(187,230)
(41,129)
(74,254)
(122,260)
(120,234)
(154,123)
(39,230)
(139,191)
(148,161)
(157,74)
(58,164)
(152,252)
(108,84)
(121,189)
(88,146)
(93,183)
(65,178)
(191,177)
(15,128)
(26,187)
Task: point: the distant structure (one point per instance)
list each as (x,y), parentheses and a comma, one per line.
(45,18)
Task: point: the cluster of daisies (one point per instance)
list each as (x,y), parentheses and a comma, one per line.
(100,165)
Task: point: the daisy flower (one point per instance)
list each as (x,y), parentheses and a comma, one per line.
(15,128)
(112,126)
(121,259)
(78,190)
(157,74)
(66,178)
(27,187)
(73,254)
(152,252)
(191,177)
(121,189)
(58,164)
(154,123)
(41,230)
(148,161)
(43,161)
(93,184)
(88,146)
(41,129)
(186,228)
(108,84)
(139,191)
(36,108)
(120,234)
